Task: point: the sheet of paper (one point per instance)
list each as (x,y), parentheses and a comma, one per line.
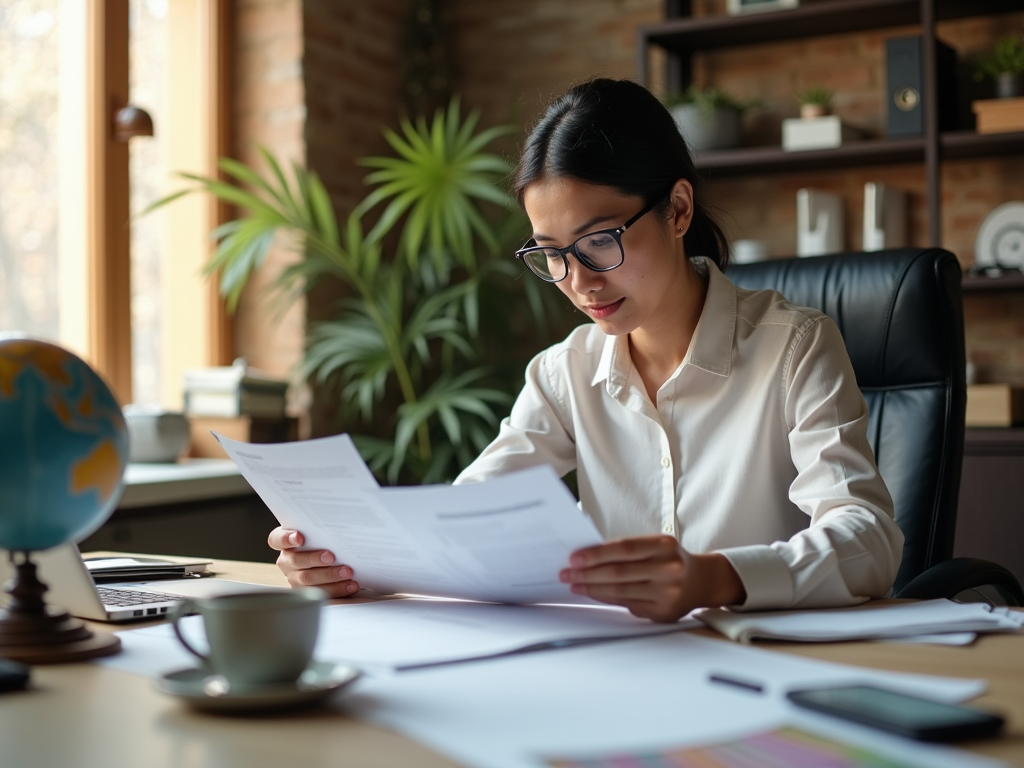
(641,695)
(504,540)
(922,618)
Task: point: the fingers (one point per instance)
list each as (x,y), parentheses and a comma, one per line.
(652,570)
(625,550)
(284,538)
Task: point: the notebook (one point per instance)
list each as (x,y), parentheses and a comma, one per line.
(71,587)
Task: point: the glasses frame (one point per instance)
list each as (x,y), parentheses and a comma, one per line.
(615,233)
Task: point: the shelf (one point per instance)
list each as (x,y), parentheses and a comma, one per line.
(980,283)
(960,144)
(750,160)
(688,34)
(955,145)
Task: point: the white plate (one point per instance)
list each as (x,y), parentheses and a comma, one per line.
(1000,240)
(198,688)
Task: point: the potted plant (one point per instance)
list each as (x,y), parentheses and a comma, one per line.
(708,118)
(1005,65)
(815,101)
(417,352)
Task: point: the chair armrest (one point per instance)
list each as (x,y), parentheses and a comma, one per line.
(950,578)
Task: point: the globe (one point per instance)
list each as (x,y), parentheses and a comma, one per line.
(63,446)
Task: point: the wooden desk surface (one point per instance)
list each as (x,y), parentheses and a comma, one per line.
(84,715)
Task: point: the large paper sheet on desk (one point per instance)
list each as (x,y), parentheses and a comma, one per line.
(504,540)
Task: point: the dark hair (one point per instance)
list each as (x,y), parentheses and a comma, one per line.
(615,133)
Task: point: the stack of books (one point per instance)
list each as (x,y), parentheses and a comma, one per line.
(235,390)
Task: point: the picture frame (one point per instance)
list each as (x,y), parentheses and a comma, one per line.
(738,7)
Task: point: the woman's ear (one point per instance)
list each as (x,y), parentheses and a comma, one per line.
(681,199)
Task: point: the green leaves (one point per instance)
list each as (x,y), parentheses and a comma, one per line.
(435,182)
(403,350)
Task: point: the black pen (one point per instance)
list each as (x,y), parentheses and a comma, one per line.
(746,685)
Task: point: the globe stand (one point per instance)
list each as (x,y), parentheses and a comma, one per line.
(35,633)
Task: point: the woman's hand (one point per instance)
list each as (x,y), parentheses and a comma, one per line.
(653,577)
(312,568)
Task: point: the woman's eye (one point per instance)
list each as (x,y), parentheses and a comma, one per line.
(598,241)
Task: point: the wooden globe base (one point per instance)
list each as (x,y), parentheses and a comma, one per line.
(35,633)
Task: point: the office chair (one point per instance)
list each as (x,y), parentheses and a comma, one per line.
(901,315)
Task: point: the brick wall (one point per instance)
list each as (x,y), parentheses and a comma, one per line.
(269,111)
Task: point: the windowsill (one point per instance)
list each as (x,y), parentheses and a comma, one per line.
(148,485)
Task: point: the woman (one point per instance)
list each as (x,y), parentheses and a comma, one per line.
(707,424)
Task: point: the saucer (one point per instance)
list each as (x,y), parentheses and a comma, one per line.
(202,690)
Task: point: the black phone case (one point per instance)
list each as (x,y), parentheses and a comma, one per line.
(976,724)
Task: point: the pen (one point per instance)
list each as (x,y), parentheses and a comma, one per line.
(746,685)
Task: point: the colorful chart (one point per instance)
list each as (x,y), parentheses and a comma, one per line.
(783,748)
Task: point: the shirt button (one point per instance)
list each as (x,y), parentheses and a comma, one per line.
(666,463)
(667,528)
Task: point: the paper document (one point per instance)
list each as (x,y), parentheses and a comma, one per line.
(504,540)
(860,623)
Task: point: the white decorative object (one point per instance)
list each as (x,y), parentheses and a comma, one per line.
(800,134)
(737,7)
(885,217)
(819,222)
(747,251)
(1000,241)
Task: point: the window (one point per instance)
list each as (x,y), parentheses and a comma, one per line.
(72,267)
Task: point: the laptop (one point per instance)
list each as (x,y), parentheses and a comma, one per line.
(73,588)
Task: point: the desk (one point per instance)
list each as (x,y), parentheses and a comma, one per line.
(77,712)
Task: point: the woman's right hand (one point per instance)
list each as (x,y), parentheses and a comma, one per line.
(310,568)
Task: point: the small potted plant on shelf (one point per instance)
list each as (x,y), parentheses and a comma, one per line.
(1005,65)
(815,101)
(707,117)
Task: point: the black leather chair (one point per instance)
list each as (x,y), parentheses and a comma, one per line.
(901,315)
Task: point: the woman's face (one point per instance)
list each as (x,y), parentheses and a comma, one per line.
(648,285)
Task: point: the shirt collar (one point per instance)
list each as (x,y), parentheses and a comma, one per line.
(711,347)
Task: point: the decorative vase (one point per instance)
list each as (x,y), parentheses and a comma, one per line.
(703,129)
(1009,85)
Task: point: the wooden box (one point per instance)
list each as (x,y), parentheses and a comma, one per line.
(999,115)
(994,405)
(248,429)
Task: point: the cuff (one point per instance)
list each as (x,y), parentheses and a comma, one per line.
(765,576)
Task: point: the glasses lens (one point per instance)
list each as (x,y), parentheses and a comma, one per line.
(601,250)
(546,263)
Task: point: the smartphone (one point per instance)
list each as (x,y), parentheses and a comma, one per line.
(899,713)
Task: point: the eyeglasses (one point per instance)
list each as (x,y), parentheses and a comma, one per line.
(599,251)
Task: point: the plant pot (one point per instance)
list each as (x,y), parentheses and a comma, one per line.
(812,111)
(718,128)
(1009,85)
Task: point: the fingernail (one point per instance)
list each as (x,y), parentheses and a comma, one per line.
(351,588)
(576,560)
(327,558)
(293,538)
(344,573)
(578,589)
(563,576)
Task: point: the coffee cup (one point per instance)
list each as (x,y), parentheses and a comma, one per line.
(256,639)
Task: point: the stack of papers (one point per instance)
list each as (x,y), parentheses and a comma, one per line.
(929,617)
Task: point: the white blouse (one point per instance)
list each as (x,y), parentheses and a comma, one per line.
(760,430)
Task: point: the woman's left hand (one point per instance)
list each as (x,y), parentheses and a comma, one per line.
(653,577)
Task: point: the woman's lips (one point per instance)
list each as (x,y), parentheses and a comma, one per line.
(601,311)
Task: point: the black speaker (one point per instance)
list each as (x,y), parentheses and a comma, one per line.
(905,68)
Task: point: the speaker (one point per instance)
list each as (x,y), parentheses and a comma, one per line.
(905,67)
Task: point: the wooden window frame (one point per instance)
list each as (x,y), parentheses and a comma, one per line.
(196,135)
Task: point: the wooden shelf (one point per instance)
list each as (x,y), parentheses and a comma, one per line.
(955,145)
(685,35)
(750,160)
(979,283)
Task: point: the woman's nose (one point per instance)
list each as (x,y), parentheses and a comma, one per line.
(581,279)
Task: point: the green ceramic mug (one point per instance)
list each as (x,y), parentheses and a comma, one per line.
(256,638)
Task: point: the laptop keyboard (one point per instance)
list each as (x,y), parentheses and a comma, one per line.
(128,597)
